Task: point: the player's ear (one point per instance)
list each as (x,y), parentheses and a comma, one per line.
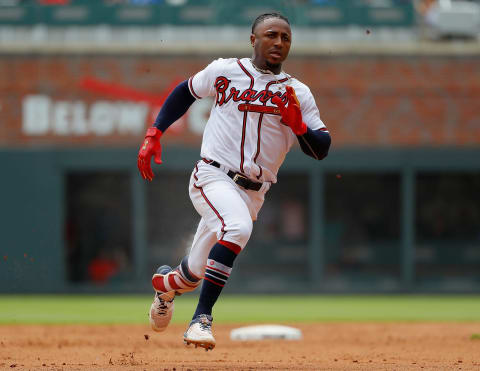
(252,39)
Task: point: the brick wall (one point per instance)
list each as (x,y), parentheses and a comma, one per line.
(374,101)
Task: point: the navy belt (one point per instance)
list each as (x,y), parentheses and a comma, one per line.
(238,178)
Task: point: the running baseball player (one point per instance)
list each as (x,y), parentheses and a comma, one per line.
(259,112)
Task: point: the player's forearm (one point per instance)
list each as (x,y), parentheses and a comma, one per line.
(315,143)
(175,106)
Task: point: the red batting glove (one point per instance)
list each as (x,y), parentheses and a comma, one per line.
(291,115)
(150,147)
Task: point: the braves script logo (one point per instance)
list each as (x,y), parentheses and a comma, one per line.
(224,95)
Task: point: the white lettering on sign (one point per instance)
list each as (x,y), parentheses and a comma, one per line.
(36,114)
(127,121)
(42,115)
(102,118)
(61,118)
(79,123)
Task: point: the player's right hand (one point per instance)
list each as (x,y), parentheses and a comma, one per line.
(150,147)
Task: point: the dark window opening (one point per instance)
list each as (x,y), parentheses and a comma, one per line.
(98,235)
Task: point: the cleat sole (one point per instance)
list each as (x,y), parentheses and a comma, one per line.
(201,344)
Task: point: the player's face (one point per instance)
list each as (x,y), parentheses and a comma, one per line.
(271,43)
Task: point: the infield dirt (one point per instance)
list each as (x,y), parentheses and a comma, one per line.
(325,346)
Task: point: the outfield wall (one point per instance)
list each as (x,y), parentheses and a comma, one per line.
(366,101)
(393,208)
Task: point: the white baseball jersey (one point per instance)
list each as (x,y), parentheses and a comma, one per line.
(244,132)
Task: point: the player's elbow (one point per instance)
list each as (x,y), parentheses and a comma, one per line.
(320,145)
(315,143)
(324,147)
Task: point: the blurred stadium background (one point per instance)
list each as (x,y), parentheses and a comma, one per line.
(394,208)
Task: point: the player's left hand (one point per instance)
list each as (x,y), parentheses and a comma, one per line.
(291,115)
(150,147)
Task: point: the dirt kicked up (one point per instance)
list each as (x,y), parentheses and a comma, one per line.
(325,346)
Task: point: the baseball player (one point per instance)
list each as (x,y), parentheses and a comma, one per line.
(258,114)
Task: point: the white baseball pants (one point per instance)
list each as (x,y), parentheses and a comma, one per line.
(227,212)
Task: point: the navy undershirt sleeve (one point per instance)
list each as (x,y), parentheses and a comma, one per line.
(315,143)
(175,106)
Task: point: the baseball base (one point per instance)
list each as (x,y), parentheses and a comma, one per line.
(264,332)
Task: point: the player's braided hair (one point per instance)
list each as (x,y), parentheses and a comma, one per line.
(264,16)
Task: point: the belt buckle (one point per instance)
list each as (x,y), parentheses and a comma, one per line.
(238,176)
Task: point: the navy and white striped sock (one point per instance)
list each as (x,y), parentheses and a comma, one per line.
(186,272)
(180,280)
(217,271)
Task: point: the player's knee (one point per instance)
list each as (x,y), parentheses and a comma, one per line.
(240,232)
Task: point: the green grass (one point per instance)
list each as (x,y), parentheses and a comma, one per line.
(245,309)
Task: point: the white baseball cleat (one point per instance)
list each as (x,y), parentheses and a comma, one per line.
(161,310)
(199,332)
(160,313)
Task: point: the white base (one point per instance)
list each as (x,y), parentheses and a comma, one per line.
(263,332)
